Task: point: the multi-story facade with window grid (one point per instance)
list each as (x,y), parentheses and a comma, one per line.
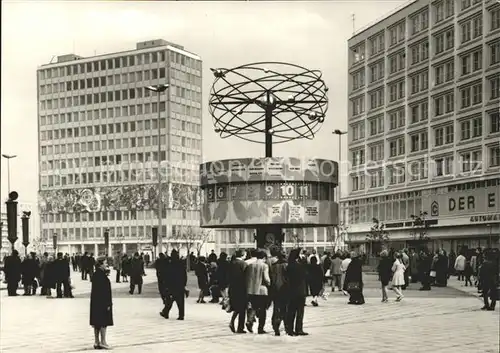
(98,147)
(424,124)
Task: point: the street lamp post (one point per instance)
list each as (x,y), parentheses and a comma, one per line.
(159,89)
(8,157)
(339,133)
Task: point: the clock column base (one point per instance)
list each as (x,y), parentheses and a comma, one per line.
(269,236)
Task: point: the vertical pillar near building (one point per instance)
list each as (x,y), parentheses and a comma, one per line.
(124,248)
(96,250)
(110,249)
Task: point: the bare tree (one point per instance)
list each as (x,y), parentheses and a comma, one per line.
(294,237)
(188,236)
(39,245)
(377,234)
(205,235)
(420,228)
(335,238)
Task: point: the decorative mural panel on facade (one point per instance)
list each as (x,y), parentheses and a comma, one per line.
(116,198)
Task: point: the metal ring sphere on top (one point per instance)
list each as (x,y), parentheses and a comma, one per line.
(284,100)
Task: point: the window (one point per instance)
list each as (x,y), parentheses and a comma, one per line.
(377,152)
(377,99)
(358,105)
(443,166)
(449,134)
(465,128)
(358,182)
(377,179)
(419,112)
(477,27)
(396,175)
(494,118)
(439,12)
(397,33)
(358,79)
(494,18)
(439,137)
(420,22)
(465,4)
(358,157)
(477,93)
(443,10)
(444,104)
(358,53)
(418,170)
(397,147)
(466,29)
(465,94)
(471,128)
(397,119)
(419,142)
(470,161)
(376,125)
(377,43)
(472,62)
(494,156)
(494,53)
(420,82)
(477,127)
(420,52)
(494,87)
(377,71)
(397,62)
(358,131)
(444,41)
(444,72)
(396,91)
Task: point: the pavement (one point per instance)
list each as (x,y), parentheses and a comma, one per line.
(442,320)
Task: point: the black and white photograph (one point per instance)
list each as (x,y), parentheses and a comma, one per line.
(250,175)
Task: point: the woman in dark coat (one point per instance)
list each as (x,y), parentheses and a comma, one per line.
(125,268)
(101,305)
(49,276)
(384,273)
(315,280)
(353,283)
(222,273)
(442,269)
(201,273)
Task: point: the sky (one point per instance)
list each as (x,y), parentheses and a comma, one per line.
(225,34)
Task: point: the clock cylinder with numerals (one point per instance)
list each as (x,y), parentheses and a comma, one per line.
(253,192)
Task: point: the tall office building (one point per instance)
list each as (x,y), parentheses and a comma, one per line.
(424,124)
(98,147)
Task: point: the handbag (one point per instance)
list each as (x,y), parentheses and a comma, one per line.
(433,274)
(226,305)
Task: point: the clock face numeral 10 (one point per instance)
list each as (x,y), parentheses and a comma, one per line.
(287,190)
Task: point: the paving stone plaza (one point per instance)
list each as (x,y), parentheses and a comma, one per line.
(442,320)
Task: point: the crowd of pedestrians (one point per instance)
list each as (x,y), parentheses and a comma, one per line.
(33,272)
(250,281)
(51,273)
